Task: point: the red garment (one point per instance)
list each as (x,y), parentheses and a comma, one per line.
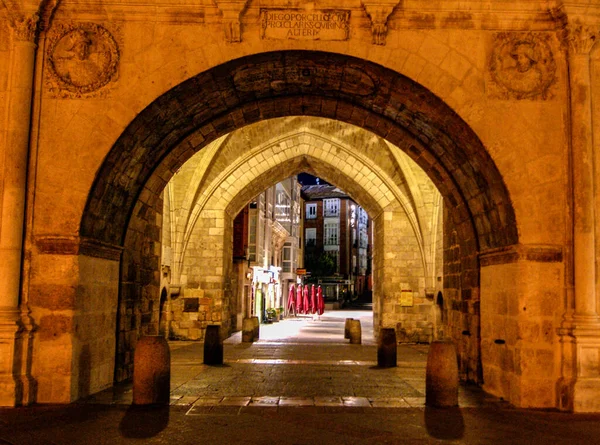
(299,307)
(320,301)
(306,307)
(291,300)
(313,300)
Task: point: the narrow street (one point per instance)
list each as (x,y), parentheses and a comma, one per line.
(302,383)
(300,361)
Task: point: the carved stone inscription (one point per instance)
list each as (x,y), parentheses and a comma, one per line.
(296,24)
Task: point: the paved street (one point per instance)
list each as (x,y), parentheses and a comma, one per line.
(302,383)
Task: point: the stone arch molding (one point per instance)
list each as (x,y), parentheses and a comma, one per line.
(254,88)
(374,189)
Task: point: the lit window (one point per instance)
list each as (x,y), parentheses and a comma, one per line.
(332,207)
(311,211)
(331,234)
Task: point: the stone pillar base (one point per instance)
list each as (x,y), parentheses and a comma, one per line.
(579,396)
(10,388)
(579,388)
(10,391)
(586,395)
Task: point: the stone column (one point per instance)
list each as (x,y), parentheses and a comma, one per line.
(580,385)
(13,203)
(580,44)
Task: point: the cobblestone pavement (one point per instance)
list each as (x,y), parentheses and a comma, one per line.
(298,362)
(302,383)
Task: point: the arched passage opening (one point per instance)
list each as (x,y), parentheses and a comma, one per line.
(121,209)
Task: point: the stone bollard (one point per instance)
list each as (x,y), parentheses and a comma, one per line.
(256,325)
(247,330)
(441,381)
(347,328)
(387,348)
(213,345)
(151,371)
(354,332)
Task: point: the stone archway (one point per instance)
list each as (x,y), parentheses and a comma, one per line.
(286,83)
(270,85)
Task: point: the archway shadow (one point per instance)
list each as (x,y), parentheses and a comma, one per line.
(444,423)
(144,421)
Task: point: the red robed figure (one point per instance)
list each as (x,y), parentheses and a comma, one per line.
(320,301)
(313,300)
(292,300)
(299,299)
(306,306)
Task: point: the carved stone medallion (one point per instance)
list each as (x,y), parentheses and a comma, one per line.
(521,67)
(82,58)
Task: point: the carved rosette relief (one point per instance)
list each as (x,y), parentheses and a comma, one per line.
(82,59)
(521,67)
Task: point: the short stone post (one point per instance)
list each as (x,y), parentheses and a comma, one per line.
(256,324)
(213,345)
(441,380)
(387,348)
(347,328)
(354,332)
(247,330)
(151,371)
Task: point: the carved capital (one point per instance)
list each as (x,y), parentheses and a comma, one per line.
(231,11)
(580,38)
(379,11)
(26,29)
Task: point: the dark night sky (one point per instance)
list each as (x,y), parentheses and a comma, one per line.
(306,179)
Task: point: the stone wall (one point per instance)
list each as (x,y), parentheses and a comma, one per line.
(73,299)
(461,296)
(519,345)
(95,345)
(139,299)
(399,280)
(207,295)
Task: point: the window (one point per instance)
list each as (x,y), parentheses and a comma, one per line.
(362,264)
(332,207)
(311,237)
(363,216)
(287,257)
(252,236)
(311,211)
(331,234)
(283,208)
(363,239)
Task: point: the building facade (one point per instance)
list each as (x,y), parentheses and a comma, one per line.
(336,230)
(273,247)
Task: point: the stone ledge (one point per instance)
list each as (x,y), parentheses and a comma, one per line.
(521,252)
(74,245)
